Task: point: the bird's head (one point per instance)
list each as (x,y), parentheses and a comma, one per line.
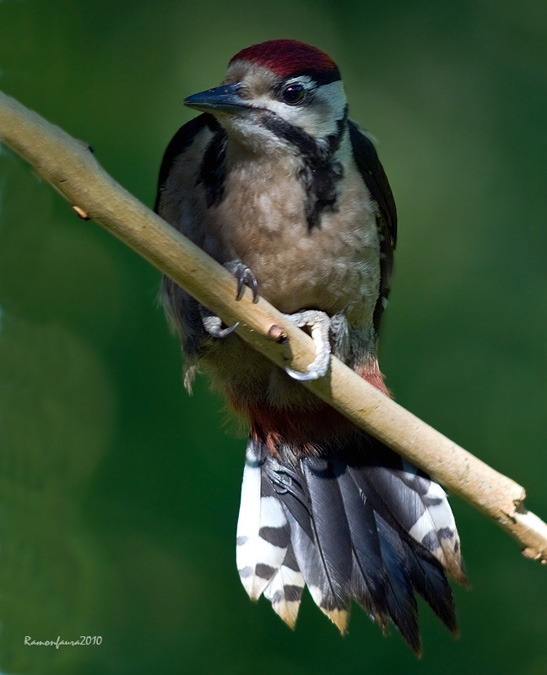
(280,95)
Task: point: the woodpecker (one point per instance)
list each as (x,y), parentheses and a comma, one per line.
(275,182)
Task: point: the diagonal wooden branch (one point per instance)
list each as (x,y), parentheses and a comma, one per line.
(72,169)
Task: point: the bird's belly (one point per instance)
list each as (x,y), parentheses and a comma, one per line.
(331,269)
(334,266)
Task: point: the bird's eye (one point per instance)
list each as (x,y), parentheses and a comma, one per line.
(293,94)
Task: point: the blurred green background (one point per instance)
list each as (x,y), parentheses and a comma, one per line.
(118,492)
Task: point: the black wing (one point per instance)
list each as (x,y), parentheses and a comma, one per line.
(376,181)
(181,309)
(182,140)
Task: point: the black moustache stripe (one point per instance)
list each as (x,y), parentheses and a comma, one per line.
(305,143)
(320,175)
(314,152)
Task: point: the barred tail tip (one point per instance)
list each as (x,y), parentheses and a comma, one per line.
(375,531)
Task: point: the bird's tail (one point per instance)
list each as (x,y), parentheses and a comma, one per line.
(359,525)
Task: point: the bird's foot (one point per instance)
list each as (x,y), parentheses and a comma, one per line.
(213,324)
(245,277)
(319,327)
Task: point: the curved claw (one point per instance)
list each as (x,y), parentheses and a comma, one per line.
(223,332)
(304,377)
(247,279)
(319,324)
(244,276)
(213,325)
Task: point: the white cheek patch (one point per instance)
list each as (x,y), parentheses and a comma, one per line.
(329,106)
(333,96)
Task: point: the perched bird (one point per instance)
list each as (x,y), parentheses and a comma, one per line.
(276,182)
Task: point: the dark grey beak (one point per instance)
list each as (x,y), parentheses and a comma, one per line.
(223,99)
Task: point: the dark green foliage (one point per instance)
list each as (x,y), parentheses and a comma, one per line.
(118,493)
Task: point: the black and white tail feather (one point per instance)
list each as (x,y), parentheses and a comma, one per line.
(375,530)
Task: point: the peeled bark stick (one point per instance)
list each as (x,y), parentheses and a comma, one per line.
(72,169)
